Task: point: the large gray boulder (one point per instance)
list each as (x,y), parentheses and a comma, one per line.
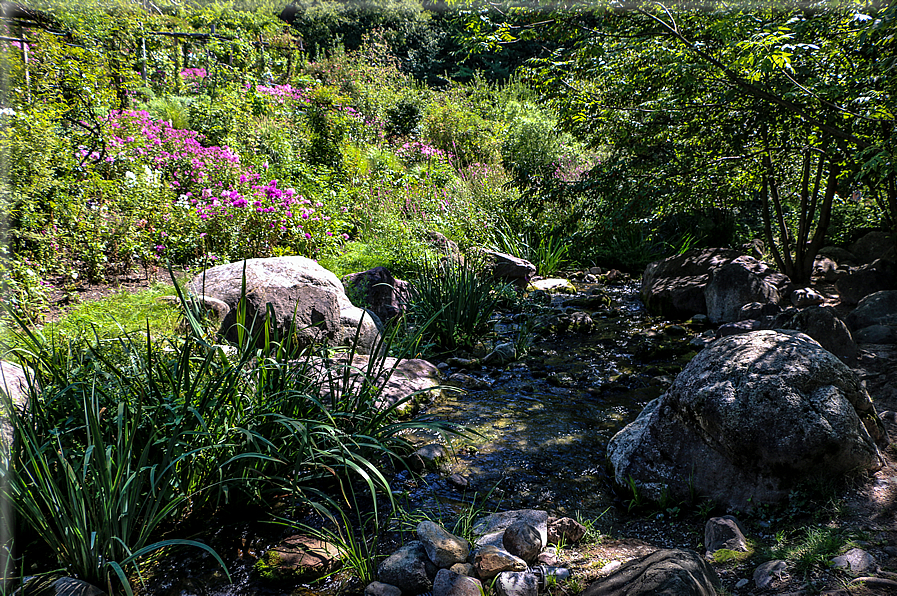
(508,268)
(668,572)
(675,287)
(14,390)
(879,308)
(877,276)
(735,284)
(749,417)
(300,292)
(872,245)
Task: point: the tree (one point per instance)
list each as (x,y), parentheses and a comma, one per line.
(786,104)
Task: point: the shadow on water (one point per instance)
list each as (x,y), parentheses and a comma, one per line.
(543,426)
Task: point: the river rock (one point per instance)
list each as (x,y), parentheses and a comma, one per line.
(408,569)
(875,277)
(731,286)
(825,268)
(879,308)
(14,386)
(871,246)
(379,291)
(724,533)
(463,569)
(522,540)
(449,583)
(490,560)
(381,589)
(575,322)
(564,530)
(490,529)
(301,293)
(299,557)
(766,574)
(517,583)
(427,458)
(444,548)
(671,572)
(466,381)
(749,417)
(856,560)
(552,286)
(503,353)
(508,268)
(823,324)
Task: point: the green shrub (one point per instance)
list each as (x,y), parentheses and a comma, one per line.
(463,133)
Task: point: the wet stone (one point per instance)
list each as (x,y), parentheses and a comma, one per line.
(450,583)
(523,540)
(516,583)
(444,548)
(381,589)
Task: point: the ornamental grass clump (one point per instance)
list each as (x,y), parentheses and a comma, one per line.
(457,299)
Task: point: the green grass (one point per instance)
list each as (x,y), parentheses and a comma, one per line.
(113,316)
(812,548)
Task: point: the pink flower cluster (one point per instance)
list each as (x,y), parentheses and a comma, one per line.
(189,74)
(282,93)
(417,150)
(176,153)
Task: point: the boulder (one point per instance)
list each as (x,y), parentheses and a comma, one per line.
(565,530)
(379,291)
(444,548)
(748,418)
(841,256)
(724,533)
(868,279)
(408,569)
(803,297)
(442,245)
(299,558)
(879,308)
(292,286)
(505,267)
(53,585)
(449,583)
(872,246)
(670,572)
(522,540)
(13,392)
(823,324)
(517,583)
(731,286)
(674,287)
(876,334)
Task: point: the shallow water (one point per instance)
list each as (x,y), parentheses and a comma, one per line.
(538,438)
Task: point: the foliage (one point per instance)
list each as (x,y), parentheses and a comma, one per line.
(811,548)
(193,426)
(455,300)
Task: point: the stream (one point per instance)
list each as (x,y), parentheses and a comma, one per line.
(539,429)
